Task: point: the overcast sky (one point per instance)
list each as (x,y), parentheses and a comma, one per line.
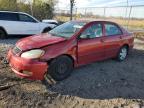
(98,3)
(136,11)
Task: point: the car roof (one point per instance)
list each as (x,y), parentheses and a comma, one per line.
(20,13)
(12,12)
(97,20)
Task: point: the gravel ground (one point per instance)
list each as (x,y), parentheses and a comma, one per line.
(106,84)
(8,42)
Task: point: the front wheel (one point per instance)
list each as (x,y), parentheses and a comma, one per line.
(122,53)
(3,34)
(60,68)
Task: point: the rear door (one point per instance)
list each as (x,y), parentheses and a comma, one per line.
(112,39)
(90,44)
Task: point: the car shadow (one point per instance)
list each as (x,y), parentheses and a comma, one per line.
(106,80)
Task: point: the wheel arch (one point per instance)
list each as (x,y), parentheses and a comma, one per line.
(67,55)
(2,28)
(127,45)
(50,28)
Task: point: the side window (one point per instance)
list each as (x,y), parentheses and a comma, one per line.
(8,16)
(25,18)
(111,29)
(95,30)
(1,16)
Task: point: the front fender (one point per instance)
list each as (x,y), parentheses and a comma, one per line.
(59,49)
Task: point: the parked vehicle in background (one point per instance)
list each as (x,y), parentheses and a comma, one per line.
(50,21)
(19,23)
(69,45)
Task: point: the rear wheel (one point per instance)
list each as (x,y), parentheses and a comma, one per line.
(3,34)
(60,68)
(122,53)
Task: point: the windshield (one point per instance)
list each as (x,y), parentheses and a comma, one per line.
(67,29)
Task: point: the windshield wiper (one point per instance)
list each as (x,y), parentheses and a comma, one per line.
(54,34)
(57,35)
(62,36)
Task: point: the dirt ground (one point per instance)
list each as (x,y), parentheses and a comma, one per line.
(106,84)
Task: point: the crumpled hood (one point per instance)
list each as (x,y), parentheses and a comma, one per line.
(38,41)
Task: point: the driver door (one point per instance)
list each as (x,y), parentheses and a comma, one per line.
(90,44)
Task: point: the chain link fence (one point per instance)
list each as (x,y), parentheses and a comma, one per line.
(131,17)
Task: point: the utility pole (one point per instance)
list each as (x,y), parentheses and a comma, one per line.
(129,17)
(127,12)
(71,8)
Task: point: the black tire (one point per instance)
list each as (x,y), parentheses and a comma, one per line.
(60,68)
(3,34)
(46,30)
(123,52)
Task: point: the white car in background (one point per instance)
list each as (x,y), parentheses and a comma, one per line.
(19,23)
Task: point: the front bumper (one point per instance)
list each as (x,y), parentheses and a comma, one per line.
(21,65)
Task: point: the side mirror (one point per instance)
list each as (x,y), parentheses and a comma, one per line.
(84,36)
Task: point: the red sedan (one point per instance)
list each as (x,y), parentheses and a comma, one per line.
(67,46)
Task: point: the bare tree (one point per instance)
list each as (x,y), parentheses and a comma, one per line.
(71,8)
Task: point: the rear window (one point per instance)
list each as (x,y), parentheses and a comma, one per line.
(8,16)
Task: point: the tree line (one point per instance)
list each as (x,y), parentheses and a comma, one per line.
(41,9)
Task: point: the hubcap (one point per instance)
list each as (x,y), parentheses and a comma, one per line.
(123,53)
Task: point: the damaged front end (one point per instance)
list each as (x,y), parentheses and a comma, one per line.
(26,68)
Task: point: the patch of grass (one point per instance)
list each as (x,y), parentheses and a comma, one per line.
(1,48)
